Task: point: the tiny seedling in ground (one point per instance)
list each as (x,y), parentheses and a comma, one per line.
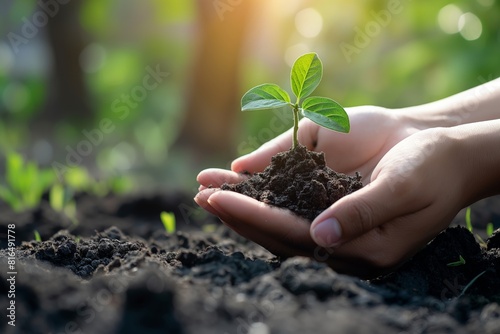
(25,183)
(472,282)
(37,236)
(468,224)
(168,220)
(306,74)
(468,221)
(460,262)
(60,199)
(489,229)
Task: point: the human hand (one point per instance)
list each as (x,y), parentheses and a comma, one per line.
(374,130)
(366,245)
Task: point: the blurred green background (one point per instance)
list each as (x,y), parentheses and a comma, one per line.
(151,89)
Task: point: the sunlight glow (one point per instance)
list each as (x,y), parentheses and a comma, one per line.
(470,26)
(309,22)
(448,18)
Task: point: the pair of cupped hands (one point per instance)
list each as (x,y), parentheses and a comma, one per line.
(407,199)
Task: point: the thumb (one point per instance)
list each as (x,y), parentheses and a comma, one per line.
(356,214)
(259,159)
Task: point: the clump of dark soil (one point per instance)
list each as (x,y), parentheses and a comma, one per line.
(300,181)
(428,273)
(83,257)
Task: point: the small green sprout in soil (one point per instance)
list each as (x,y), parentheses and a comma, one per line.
(60,199)
(306,75)
(468,224)
(25,183)
(168,220)
(468,221)
(489,229)
(472,282)
(460,262)
(38,238)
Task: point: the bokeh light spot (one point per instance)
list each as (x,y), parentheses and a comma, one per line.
(309,22)
(470,26)
(448,18)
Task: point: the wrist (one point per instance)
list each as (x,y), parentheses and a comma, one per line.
(431,115)
(476,155)
(474,105)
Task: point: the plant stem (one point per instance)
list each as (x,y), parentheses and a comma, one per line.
(295,126)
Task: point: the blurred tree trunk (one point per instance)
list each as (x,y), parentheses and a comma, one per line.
(67,93)
(212,109)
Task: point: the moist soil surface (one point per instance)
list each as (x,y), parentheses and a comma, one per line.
(300,181)
(118,271)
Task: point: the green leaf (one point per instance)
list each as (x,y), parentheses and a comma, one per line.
(77,178)
(468,221)
(14,169)
(8,196)
(460,262)
(168,220)
(38,238)
(265,97)
(306,75)
(327,113)
(56,197)
(489,229)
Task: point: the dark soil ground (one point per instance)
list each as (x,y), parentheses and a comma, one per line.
(117,271)
(300,181)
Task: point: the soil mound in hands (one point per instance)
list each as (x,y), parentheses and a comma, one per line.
(300,181)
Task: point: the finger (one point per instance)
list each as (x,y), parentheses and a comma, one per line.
(266,225)
(259,159)
(202,199)
(277,247)
(359,213)
(383,249)
(214,178)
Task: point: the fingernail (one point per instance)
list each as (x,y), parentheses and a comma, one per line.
(327,233)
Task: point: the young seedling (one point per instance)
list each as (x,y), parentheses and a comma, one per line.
(38,238)
(306,74)
(60,199)
(489,229)
(168,220)
(25,183)
(472,282)
(468,221)
(468,224)
(57,197)
(460,262)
